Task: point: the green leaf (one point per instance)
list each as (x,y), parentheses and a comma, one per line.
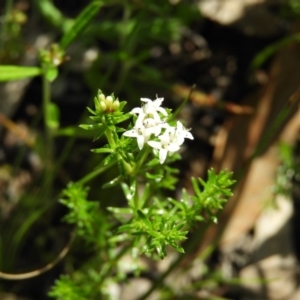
(108,159)
(154,234)
(9,73)
(91,111)
(113,182)
(99,134)
(90,126)
(52,116)
(74,131)
(268,51)
(196,187)
(122,118)
(102,150)
(180,225)
(144,219)
(51,72)
(53,15)
(121,167)
(80,24)
(177,247)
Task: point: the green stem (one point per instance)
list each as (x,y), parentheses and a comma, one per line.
(141,158)
(110,137)
(95,173)
(48,146)
(136,197)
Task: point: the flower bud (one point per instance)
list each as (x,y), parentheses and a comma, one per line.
(101,96)
(115,105)
(109,101)
(103,106)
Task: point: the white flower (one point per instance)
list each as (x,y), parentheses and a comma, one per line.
(141,133)
(179,133)
(170,141)
(150,123)
(150,109)
(153,106)
(165,146)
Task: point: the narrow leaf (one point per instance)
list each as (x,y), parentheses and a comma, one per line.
(99,134)
(53,15)
(8,73)
(103,150)
(196,187)
(80,24)
(90,126)
(144,219)
(113,182)
(74,131)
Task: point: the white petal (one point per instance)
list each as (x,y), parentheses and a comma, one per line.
(149,122)
(140,140)
(179,140)
(131,133)
(179,125)
(173,147)
(162,155)
(140,120)
(164,124)
(157,130)
(165,138)
(158,102)
(146,100)
(154,144)
(162,110)
(136,110)
(188,135)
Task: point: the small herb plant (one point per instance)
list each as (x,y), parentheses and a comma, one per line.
(142,145)
(148,222)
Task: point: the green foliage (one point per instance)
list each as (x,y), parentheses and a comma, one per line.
(288,170)
(214,194)
(53,15)
(271,49)
(149,221)
(80,23)
(80,209)
(8,73)
(160,232)
(66,289)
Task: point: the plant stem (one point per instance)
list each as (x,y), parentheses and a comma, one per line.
(136,197)
(48,146)
(141,158)
(95,173)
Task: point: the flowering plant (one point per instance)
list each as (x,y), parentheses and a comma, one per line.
(146,219)
(150,222)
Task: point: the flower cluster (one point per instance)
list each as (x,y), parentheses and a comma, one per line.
(106,104)
(152,128)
